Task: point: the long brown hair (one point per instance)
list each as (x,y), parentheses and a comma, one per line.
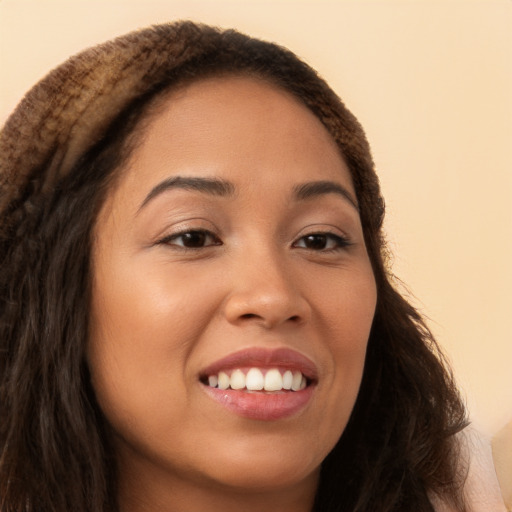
(59,153)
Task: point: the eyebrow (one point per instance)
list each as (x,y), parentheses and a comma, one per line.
(224,188)
(313,189)
(212,186)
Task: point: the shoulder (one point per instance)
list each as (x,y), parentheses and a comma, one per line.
(481,488)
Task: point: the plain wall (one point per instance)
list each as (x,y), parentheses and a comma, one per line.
(430,81)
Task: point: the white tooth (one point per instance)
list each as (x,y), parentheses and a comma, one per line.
(237,380)
(213,381)
(296,382)
(254,380)
(287,379)
(273,380)
(303,382)
(223,381)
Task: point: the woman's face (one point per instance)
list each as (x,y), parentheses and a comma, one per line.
(231,252)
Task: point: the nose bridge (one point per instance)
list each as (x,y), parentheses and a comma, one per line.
(264,289)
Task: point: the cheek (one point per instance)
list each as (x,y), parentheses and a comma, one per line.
(347,305)
(129,342)
(141,306)
(349,316)
(143,328)
(351,320)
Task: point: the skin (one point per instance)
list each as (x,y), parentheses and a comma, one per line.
(161,313)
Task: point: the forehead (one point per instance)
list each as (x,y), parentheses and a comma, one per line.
(237,126)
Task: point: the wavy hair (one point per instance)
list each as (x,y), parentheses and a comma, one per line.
(60,153)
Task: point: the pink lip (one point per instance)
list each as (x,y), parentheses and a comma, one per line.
(262,405)
(264,358)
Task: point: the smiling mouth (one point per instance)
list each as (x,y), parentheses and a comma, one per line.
(254,379)
(262,384)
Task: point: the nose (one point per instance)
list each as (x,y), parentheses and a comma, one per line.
(265,291)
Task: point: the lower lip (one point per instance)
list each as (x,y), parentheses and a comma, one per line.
(258,405)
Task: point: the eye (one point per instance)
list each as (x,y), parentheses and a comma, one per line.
(322,242)
(192,239)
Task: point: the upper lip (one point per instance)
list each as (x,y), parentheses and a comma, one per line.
(284,358)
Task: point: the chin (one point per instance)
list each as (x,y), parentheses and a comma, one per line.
(266,468)
(265,478)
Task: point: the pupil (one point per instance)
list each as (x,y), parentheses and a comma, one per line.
(316,241)
(194,239)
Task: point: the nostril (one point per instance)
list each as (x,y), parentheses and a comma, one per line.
(248,316)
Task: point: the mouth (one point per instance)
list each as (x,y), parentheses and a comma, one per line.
(261,384)
(258,379)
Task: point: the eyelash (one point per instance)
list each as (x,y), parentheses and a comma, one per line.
(338,242)
(168,240)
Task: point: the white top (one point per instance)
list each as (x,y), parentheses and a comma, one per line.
(482,490)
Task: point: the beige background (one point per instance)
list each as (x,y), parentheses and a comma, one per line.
(430,81)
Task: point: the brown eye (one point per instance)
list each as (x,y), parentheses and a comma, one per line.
(315,242)
(193,239)
(321,242)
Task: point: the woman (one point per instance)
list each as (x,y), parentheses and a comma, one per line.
(196,309)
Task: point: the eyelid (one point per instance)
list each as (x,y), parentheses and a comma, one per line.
(333,232)
(179,224)
(340,240)
(188,224)
(322,229)
(177,234)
